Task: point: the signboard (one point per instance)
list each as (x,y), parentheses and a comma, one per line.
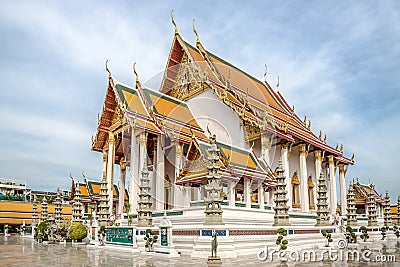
(164,236)
(119,235)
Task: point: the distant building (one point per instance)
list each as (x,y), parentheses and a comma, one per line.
(12,189)
(361,192)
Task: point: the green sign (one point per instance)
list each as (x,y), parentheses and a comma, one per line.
(164,236)
(119,235)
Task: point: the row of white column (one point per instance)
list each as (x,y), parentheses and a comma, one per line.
(303,154)
(181,197)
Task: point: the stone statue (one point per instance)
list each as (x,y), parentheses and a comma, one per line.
(214,244)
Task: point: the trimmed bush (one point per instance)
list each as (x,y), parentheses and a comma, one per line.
(77,231)
(282,243)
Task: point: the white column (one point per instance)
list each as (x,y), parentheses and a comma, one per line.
(318,163)
(285,163)
(265,146)
(318,170)
(178,190)
(303,179)
(142,141)
(121,200)
(247,192)
(342,183)
(110,170)
(261,195)
(160,173)
(154,175)
(104,173)
(134,170)
(332,185)
(232,193)
(271,197)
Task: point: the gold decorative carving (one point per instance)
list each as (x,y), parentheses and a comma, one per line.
(252,132)
(122,164)
(310,182)
(295,178)
(190,81)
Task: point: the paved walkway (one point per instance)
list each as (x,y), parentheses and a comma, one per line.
(18,251)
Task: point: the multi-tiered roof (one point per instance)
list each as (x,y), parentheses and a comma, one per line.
(190,71)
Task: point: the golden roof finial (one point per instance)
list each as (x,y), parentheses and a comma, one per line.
(305,120)
(193,136)
(173,22)
(136,74)
(277,85)
(195,32)
(265,72)
(325,139)
(341,148)
(293,109)
(352,157)
(320,135)
(228,79)
(208,130)
(337,146)
(108,70)
(309,125)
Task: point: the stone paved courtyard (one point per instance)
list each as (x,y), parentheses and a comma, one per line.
(18,251)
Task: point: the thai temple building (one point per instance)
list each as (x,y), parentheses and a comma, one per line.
(169,129)
(361,192)
(90,194)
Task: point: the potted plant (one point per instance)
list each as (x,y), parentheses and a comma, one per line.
(77,231)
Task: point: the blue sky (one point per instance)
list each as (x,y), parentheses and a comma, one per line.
(338,62)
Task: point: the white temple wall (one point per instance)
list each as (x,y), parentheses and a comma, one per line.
(170,171)
(311,171)
(294,166)
(274,157)
(294,162)
(208,110)
(256,147)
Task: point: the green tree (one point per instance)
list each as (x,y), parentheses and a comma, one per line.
(41,231)
(77,231)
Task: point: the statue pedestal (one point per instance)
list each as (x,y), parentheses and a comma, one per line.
(214,261)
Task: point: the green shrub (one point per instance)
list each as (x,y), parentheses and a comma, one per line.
(77,231)
(328,235)
(41,231)
(364,234)
(282,243)
(151,238)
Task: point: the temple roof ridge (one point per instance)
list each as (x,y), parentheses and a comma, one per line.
(289,116)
